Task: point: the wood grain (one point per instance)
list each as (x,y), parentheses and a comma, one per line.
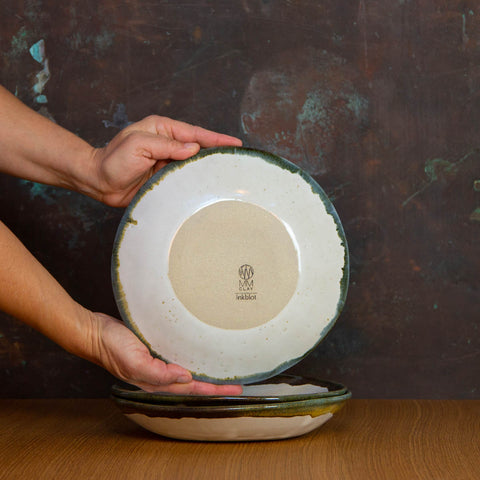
(368,439)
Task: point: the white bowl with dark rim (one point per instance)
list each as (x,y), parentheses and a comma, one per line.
(232,264)
(234,422)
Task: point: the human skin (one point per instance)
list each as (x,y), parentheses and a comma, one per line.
(36,149)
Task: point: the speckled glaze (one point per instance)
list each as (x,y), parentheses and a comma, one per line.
(268,421)
(140,261)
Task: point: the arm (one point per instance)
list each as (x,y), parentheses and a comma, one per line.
(29,293)
(34,148)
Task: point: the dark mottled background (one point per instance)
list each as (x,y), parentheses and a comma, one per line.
(379,100)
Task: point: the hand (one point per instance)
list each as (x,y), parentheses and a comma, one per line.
(143,148)
(120,352)
(42,151)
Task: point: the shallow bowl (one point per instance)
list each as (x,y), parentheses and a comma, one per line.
(232,264)
(253,422)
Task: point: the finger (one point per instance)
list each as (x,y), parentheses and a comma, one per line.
(164,148)
(185,132)
(203,388)
(160,147)
(162,377)
(194,388)
(182,131)
(156,374)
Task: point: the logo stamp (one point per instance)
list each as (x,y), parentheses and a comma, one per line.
(245,283)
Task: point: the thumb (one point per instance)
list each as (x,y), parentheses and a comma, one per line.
(156,373)
(164,148)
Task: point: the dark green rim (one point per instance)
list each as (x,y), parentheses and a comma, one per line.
(129,392)
(277,409)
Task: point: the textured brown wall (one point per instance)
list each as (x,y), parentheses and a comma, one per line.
(379,100)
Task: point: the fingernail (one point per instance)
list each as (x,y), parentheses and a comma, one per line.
(190,145)
(184,379)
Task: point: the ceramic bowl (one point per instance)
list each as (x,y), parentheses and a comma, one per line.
(282,388)
(232,264)
(252,422)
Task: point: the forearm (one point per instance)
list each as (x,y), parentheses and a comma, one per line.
(29,293)
(35,148)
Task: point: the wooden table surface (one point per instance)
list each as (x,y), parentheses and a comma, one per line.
(368,439)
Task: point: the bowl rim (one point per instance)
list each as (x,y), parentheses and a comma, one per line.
(312,407)
(130,392)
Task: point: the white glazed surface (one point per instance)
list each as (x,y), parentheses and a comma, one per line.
(231,429)
(281,389)
(164,322)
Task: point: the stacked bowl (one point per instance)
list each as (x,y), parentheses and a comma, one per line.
(234,265)
(285,407)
